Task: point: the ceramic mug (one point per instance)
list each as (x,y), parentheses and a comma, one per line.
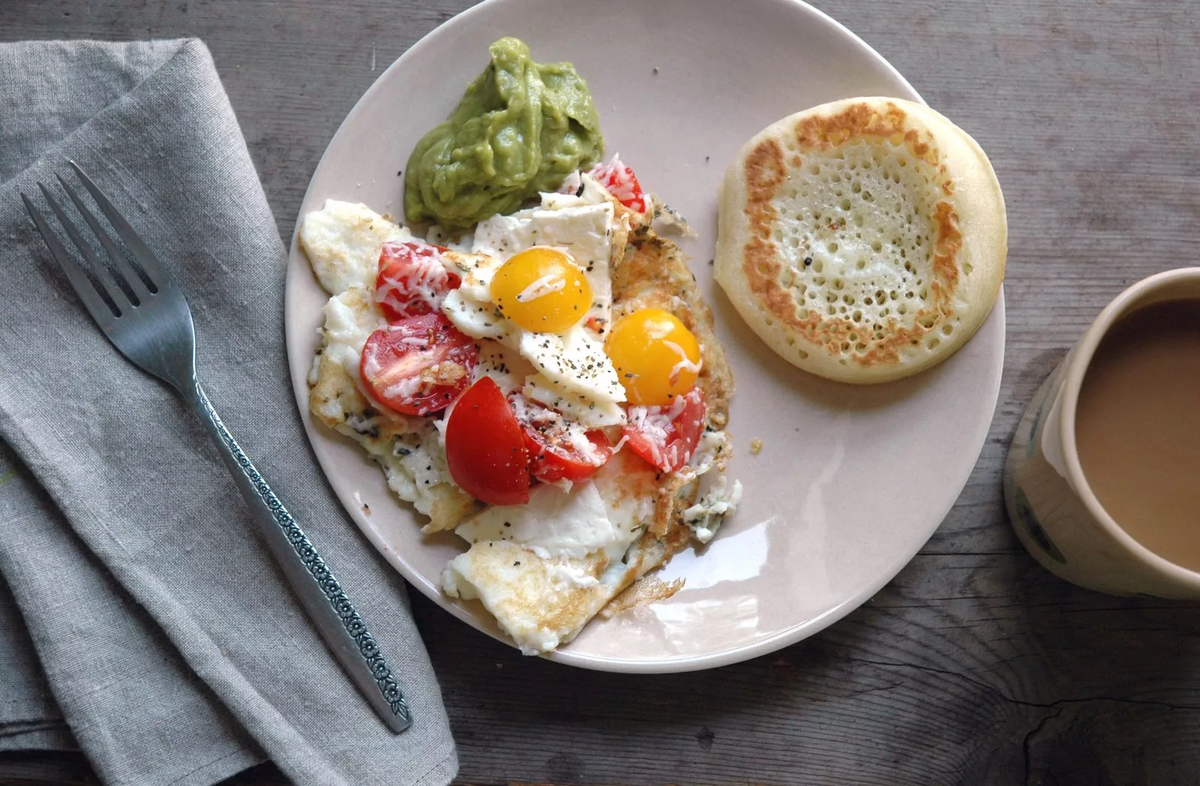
(1052,508)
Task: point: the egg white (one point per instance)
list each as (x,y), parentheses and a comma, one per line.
(593,414)
(343,241)
(545,568)
(574,362)
(556,523)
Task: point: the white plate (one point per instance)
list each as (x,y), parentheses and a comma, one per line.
(851,481)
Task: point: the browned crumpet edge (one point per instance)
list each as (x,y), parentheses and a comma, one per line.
(766,170)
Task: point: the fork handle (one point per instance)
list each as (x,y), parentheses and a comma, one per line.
(319,592)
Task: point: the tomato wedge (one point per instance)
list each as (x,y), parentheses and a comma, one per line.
(621,183)
(559,449)
(418,365)
(412,280)
(667,436)
(485,447)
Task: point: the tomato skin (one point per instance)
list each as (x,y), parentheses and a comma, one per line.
(418,365)
(550,462)
(622,183)
(412,281)
(682,424)
(485,447)
(552,457)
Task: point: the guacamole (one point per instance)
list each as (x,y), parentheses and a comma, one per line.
(520,128)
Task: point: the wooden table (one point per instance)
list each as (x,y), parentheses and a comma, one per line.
(974,665)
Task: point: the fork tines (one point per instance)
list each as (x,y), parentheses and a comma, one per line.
(109,288)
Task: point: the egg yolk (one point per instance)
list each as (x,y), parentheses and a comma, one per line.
(542,290)
(656,357)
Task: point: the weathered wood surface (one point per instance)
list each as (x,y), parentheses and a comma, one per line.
(974,666)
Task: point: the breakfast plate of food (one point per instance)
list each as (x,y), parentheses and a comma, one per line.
(653,351)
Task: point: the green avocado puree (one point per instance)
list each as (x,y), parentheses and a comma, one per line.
(520,128)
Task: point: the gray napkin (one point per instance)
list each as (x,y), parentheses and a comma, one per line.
(167,637)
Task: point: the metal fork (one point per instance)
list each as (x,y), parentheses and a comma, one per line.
(145,315)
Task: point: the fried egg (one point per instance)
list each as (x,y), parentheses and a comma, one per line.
(580,225)
(545,568)
(573,365)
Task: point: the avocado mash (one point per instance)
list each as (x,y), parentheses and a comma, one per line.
(520,128)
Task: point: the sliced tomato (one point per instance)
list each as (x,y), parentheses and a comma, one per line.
(418,365)
(621,183)
(485,447)
(412,280)
(667,436)
(559,449)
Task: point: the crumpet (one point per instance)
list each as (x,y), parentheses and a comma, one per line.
(863,240)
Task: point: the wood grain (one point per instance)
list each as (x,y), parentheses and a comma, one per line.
(974,666)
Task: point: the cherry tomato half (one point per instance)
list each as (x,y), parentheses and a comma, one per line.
(666,436)
(412,280)
(485,447)
(560,449)
(621,183)
(418,365)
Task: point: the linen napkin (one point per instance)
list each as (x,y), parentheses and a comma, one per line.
(165,633)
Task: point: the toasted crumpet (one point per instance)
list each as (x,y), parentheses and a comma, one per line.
(863,240)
